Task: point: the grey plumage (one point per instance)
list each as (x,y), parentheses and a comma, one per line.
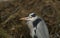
(42,30)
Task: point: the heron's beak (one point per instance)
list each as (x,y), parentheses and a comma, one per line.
(26,18)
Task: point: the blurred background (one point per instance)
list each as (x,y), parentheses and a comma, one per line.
(12,10)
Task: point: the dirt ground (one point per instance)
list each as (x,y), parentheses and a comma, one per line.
(11,11)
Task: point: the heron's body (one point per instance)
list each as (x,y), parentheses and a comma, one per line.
(39,33)
(37,26)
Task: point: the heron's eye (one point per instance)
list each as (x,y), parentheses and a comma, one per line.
(33,15)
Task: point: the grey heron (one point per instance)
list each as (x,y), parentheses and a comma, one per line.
(37,26)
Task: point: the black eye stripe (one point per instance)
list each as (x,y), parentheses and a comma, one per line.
(33,15)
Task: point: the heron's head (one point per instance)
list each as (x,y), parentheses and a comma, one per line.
(30,17)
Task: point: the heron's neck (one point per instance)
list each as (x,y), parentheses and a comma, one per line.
(33,24)
(30,24)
